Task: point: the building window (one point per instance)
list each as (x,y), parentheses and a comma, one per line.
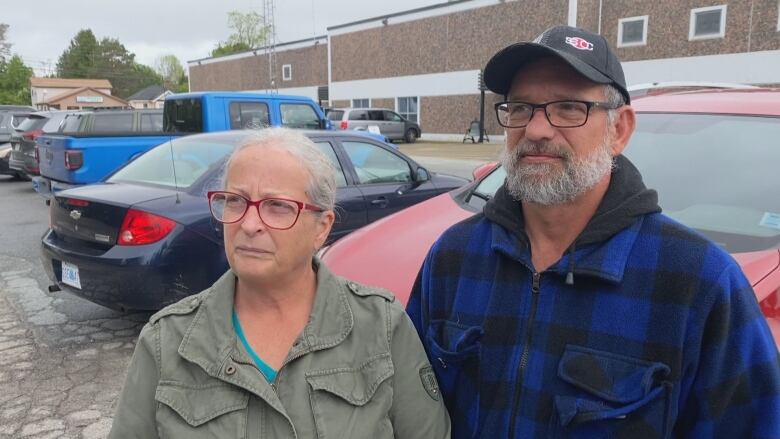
(632,31)
(286,72)
(778,15)
(361,103)
(709,22)
(407,107)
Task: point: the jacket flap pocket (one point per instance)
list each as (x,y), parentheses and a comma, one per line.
(453,342)
(200,404)
(612,377)
(355,385)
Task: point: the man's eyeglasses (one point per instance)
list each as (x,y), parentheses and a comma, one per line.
(561,114)
(275,213)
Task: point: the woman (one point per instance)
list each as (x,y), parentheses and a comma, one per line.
(279,347)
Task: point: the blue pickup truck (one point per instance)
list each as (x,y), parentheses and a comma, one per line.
(82,154)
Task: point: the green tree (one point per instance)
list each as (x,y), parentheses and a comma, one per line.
(248,28)
(15,81)
(227,49)
(86,57)
(140,77)
(249,32)
(78,60)
(172,73)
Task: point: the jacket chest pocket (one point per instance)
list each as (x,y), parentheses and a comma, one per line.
(455,356)
(610,396)
(207,411)
(353,402)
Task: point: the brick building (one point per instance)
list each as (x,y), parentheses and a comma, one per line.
(424,63)
(302,68)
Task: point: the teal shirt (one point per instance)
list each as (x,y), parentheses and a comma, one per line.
(268,372)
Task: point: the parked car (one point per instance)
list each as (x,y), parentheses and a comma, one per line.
(10,118)
(712,155)
(144,237)
(5,156)
(204,112)
(23,160)
(92,144)
(390,124)
(90,149)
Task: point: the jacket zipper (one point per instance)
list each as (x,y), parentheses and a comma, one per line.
(526,349)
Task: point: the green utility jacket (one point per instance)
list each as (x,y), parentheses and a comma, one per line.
(358,370)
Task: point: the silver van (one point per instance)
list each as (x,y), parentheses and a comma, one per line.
(389,123)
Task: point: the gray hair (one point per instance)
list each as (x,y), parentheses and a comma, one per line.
(613,97)
(321,187)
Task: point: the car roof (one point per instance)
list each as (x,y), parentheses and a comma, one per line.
(234,134)
(757,101)
(238,95)
(362,108)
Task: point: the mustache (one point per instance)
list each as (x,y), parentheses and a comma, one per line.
(526,147)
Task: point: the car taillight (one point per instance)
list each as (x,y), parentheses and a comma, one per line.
(771,305)
(32,135)
(141,228)
(73,159)
(344,124)
(76,202)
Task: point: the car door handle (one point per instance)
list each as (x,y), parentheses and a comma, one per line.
(381,202)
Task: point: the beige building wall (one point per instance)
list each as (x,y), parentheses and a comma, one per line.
(453,114)
(458,41)
(448,43)
(309,67)
(72,102)
(383,103)
(750,26)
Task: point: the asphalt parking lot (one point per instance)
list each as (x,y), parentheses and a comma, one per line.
(62,359)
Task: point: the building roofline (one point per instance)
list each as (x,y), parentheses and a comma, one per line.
(79,90)
(253,52)
(398,14)
(68,82)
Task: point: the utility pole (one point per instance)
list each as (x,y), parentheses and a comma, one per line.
(482,89)
(270,28)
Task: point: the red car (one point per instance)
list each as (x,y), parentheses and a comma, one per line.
(711,154)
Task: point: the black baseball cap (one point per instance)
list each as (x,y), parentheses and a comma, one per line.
(586,52)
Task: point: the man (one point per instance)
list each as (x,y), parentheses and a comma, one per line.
(571,307)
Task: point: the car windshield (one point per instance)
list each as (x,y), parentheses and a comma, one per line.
(33,122)
(335,114)
(714,173)
(194,156)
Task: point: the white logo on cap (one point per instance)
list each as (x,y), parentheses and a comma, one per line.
(579,43)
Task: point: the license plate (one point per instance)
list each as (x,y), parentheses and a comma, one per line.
(70,275)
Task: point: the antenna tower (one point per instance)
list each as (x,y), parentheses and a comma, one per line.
(270,26)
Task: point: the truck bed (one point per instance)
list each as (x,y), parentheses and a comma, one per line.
(101,154)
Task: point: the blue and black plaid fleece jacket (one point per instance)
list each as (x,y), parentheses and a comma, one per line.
(659,335)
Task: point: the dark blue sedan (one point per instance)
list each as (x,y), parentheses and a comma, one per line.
(144,237)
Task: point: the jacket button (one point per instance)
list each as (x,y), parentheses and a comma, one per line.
(230,370)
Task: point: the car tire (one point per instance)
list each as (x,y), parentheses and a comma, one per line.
(21,176)
(410,136)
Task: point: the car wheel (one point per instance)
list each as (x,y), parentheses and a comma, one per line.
(410,136)
(21,176)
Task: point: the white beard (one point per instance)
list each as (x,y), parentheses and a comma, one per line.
(548,183)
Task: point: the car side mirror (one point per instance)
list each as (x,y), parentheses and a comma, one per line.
(421,175)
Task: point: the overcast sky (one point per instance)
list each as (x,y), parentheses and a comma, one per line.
(41,30)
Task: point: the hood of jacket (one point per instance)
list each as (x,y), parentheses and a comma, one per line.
(626,199)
